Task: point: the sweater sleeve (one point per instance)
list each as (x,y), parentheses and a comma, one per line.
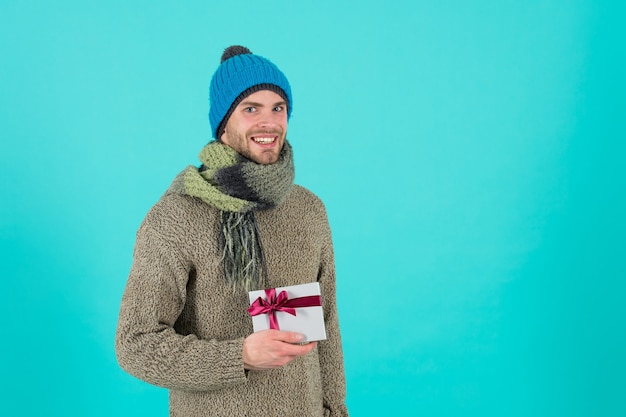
(330,350)
(147,346)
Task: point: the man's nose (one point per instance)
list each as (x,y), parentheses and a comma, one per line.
(267,119)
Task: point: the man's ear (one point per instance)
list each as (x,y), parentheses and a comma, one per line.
(221,137)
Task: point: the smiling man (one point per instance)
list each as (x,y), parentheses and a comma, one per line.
(257,127)
(236,223)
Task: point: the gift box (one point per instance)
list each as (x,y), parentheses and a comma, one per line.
(296,308)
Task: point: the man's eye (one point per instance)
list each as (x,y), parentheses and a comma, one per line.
(249,109)
(279,108)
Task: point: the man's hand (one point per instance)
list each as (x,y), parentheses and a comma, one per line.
(269,349)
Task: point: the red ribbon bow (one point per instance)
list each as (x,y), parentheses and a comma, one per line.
(281,303)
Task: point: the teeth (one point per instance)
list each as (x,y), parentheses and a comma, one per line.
(263,140)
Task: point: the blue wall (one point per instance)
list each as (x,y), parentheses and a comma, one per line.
(470,153)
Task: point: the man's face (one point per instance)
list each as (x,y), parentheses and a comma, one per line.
(257,127)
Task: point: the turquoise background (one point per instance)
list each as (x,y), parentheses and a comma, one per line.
(470,154)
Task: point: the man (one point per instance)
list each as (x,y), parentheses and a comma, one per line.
(235,224)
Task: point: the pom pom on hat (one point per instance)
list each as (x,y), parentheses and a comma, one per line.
(234,50)
(240,74)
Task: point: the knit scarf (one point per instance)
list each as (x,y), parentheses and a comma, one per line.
(237,187)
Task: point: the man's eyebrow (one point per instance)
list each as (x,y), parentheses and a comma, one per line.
(255,104)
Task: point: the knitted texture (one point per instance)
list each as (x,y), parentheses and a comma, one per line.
(230,182)
(238,74)
(181,326)
(237,186)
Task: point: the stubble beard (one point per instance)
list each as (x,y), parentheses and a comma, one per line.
(266,157)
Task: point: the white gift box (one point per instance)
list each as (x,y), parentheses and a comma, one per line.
(308,321)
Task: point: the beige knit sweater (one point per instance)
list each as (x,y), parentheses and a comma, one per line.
(181,327)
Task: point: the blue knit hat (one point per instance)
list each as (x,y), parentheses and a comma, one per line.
(240,74)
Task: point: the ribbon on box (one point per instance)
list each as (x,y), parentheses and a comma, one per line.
(274,303)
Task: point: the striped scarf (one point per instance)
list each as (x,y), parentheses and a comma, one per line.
(237,187)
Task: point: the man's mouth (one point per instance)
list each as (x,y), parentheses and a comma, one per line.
(264,140)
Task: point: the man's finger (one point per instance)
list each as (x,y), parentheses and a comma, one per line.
(289,337)
(299,350)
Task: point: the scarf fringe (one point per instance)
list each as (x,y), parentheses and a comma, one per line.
(244,260)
